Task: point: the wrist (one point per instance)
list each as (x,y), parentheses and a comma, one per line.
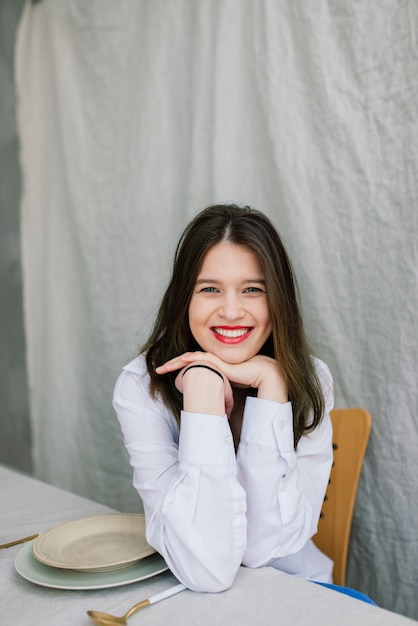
(207,367)
(273,388)
(203,391)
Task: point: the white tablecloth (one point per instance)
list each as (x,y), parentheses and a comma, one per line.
(264,596)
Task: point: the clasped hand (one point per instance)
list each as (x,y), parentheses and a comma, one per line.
(260,372)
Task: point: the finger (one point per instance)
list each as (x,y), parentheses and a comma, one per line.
(229,399)
(229,405)
(176,363)
(187,358)
(203,357)
(179,381)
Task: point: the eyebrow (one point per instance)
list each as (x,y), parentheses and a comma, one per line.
(213,281)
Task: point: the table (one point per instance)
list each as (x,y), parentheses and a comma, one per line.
(263,596)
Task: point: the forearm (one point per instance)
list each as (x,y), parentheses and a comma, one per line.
(195,507)
(197,529)
(203,390)
(186,478)
(282,511)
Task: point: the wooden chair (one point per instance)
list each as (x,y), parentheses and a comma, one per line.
(351,431)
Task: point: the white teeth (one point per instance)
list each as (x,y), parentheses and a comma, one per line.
(232,334)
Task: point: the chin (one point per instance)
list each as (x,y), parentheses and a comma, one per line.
(232,359)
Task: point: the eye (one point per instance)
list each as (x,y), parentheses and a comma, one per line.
(254,290)
(209,290)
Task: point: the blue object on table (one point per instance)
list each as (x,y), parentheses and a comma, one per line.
(348,592)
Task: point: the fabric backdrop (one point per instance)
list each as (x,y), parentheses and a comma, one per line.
(133,115)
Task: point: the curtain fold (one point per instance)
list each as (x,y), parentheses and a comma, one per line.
(135,115)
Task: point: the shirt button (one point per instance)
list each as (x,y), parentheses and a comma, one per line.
(228,440)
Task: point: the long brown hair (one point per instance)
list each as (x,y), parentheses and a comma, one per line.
(171,334)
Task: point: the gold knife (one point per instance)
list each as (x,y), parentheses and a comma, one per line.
(15,543)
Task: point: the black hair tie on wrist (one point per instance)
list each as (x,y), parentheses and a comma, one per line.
(206,367)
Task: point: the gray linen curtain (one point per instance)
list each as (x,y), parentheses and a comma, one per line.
(133,115)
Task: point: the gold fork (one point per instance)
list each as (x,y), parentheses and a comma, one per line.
(15,543)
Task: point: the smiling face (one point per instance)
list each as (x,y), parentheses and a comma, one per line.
(228,312)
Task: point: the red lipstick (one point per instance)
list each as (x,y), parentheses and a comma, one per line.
(231,334)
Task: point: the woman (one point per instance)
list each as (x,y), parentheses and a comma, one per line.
(225,414)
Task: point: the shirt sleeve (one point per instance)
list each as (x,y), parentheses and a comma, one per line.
(285,488)
(194,506)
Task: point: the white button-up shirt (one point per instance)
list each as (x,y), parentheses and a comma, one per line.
(208,510)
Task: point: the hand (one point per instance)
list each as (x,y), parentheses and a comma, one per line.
(260,372)
(201,386)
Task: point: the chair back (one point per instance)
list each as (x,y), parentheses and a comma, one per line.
(351,431)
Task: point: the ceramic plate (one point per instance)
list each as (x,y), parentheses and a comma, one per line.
(97,543)
(34,571)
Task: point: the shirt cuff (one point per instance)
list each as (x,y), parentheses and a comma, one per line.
(205,440)
(268,423)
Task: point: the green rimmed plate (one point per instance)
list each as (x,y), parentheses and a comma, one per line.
(35,572)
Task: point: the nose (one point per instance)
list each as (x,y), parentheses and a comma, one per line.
(231,307)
